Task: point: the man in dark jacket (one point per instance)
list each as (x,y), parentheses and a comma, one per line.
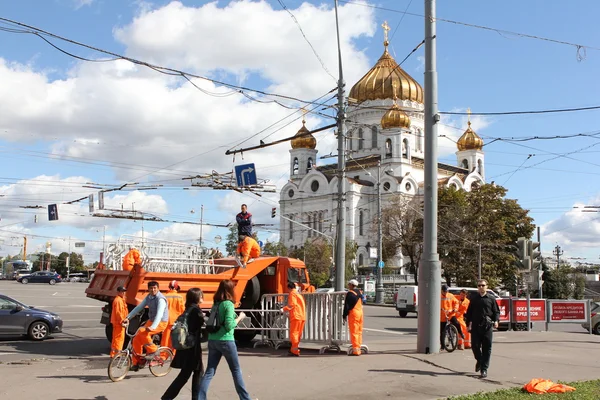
(244,222)
(481,318)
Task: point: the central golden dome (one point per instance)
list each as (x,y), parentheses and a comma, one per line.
(379,82)
(395,118)
(305,140)
(469,140)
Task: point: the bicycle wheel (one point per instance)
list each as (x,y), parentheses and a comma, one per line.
(119,366)
(160,364)
(450,338)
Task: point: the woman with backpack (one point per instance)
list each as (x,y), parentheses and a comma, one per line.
(189,360)
(221,342)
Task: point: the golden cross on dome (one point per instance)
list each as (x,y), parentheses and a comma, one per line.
(386,29)
(304,112)
(469,116)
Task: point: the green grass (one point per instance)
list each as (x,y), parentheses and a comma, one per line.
(588,390)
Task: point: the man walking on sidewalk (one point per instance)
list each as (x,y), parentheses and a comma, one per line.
(482,317)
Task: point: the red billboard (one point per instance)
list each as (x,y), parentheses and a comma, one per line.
(504,306)
(568,311)
(537,310)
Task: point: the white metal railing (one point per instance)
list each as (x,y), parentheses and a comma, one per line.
(163,256)
(390,278)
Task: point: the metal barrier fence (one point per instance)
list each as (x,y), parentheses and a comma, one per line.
(324,322)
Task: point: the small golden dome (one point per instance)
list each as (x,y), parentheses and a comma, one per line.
(304,142)
(469,140)
(380,81)
(395,118)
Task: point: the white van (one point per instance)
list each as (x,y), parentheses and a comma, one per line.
(405,299)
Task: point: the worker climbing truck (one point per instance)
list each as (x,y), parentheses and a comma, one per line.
(191,266)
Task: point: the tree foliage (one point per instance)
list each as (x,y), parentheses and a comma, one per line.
(274,249)
(563,283)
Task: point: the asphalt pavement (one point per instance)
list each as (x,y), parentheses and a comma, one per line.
(72,365)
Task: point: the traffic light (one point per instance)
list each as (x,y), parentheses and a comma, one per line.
(273,212)
(534,253)
(522,256)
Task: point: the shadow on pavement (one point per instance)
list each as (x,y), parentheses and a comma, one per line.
(420,372)
(81,347)
(92,378)
(405,330)
(94,398)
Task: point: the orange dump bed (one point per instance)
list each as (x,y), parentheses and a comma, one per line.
(104,285)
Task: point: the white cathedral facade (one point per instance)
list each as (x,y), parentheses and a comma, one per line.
(384,123)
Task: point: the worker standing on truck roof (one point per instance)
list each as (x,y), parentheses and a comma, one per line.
(118,314)
(176,308)
(158,314)
(463,305)
(353,313)
(131,258)
(248,248)
(297,311)
(244,222)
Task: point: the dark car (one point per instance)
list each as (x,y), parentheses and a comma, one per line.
(41,277)
(18,319)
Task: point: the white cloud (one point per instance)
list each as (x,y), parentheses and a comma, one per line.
(81,3)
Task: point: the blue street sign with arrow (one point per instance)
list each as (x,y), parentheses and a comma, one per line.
(245,175)
(380,264)
(261,244)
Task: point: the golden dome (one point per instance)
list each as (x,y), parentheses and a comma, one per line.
(380,82)
(469,140)
(306,141)
(395,118)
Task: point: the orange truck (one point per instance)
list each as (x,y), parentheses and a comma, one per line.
(192,267)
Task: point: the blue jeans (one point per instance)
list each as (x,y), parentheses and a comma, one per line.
(227,349)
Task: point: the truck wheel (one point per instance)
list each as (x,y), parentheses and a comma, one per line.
(597,329)
(403,314)
(251,294)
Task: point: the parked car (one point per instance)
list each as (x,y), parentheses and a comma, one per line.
(595,311)
(78,277)
(41,277)
(20,273)
(19,319)
(405,299)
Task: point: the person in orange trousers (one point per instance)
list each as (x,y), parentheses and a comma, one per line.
(247,248)
(158,315)
(118,314)
(353,313)
(176,307)
(463,305)
(449,308)
(131,258)
(297,311)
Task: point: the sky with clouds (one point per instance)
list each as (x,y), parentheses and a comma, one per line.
(69,126)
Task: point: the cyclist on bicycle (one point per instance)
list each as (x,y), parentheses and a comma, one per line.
(158,318)
(449,309)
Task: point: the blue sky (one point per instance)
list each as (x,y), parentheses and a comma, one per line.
(64,122)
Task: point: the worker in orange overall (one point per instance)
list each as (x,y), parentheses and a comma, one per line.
(297,311)
(449,308)
(176,307)
(118,314)
(463,305)
(353,313)
(131,258)
(247,248)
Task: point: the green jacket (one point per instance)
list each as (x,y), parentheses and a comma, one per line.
(227,318)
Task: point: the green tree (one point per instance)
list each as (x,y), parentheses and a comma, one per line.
(558,283)
(274,249)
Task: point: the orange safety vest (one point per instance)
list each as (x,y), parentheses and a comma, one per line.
(296,306)
(175,304)
(248,248)
(462,308)
(450,304)
(119,311)
(131,258)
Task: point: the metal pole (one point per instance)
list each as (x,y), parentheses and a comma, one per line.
(340,261)
(379,290)
(540,284)
(478,260)
(428,338)
(69,260)
(528,305)
(201,220)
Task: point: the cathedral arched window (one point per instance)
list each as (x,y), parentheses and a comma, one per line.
(464,164)
(291,228)
(388,148)
(480,167)
(309,164)
(360,139)
(295,167)
(360,222)
(361,260)
(320,221)
(374,137)
(349,141)
(405,148)
(419,138)
(308,223)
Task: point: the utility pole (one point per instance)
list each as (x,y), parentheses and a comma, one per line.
(69,259)
(24,248)
(428,338)
(540,282)
(379,290)
(558,252)
(478,260)
(201,217)
(340,262)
